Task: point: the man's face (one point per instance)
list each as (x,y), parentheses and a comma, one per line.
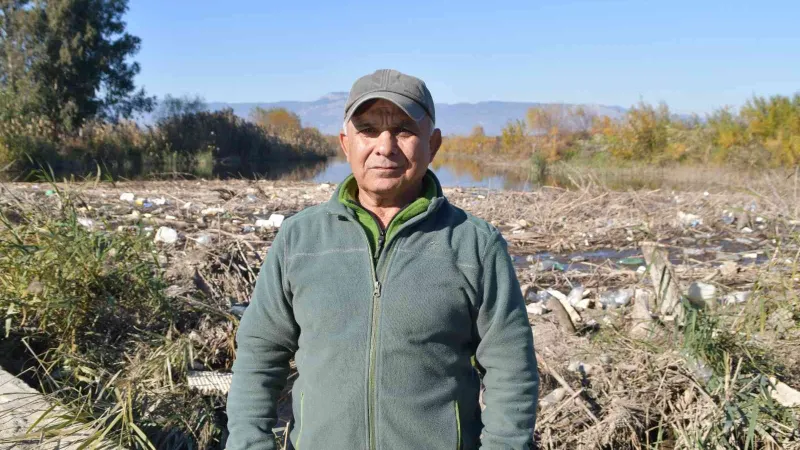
(388,151)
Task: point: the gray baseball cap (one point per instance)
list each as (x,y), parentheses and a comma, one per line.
(409,93)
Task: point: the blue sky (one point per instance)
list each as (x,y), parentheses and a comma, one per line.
(695,55)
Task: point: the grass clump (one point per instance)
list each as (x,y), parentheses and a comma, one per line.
(88,321)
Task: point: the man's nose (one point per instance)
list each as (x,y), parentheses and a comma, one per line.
(387,143)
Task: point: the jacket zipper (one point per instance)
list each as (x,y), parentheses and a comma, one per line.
(376,294)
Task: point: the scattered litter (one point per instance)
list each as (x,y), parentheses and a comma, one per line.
(554,397)
(238,310)
(86,223)
(549,264)
(166,235)
(784,394)
(632,261)
(537,296)
(203,239)
(49,192)
(212,211)
(324,187)
(537,309)
(209,382)
(700,369)
(615,299)
(746,230)
(580,367)
(158,201)
(575,295)
(700,294)
(735,298)
(274,221)
(251,198)
(689,220)
(127,197)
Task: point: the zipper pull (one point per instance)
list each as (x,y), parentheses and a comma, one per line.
(377,291)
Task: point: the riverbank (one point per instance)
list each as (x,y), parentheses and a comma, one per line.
(604,385)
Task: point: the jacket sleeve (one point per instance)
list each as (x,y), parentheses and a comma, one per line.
(266,340)
(505,351)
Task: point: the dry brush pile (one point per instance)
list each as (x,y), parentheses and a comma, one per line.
(112,324)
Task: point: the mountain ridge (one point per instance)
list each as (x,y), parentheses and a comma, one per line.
(325,113)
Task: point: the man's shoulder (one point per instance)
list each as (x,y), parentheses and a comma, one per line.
(306,216)
(466,225)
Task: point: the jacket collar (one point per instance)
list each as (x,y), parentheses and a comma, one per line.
(336,207)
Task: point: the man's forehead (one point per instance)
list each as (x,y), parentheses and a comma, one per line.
(381,108)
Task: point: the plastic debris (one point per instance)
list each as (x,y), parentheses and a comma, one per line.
(158,201)
(212,211)
(549,264)
(575,295)
(615,299)
(784,394)
(86,223)
(209,382)
(127,197)
(700,293)
(251,198)
(203,239)
(580,367)
(49,192)
(238,310)
(746,230)
(698,367)
(537,296)
(735,298)
(632,261)
(166,235)
(689,220)
(274,221)
(536,309)
(554,397)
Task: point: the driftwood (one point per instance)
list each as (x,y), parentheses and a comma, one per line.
(561,314)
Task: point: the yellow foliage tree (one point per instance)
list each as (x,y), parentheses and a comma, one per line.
(276,120)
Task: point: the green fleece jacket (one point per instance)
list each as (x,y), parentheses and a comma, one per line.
(384,346)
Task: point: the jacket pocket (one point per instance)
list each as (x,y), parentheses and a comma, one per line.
(458,426)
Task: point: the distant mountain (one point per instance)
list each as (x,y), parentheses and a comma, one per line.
(458,118)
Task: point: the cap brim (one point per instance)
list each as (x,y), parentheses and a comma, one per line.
(412,109)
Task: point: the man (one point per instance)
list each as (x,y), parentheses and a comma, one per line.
(391,300)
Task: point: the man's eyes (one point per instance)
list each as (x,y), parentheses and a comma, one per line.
(396,131)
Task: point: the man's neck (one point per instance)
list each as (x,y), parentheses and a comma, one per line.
(385,208)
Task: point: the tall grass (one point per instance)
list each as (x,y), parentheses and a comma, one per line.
(86,312)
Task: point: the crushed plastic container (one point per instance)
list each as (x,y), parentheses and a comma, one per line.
(166,235)
(615,299)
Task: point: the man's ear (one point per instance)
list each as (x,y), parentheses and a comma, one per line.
(435,142)
(343,144)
